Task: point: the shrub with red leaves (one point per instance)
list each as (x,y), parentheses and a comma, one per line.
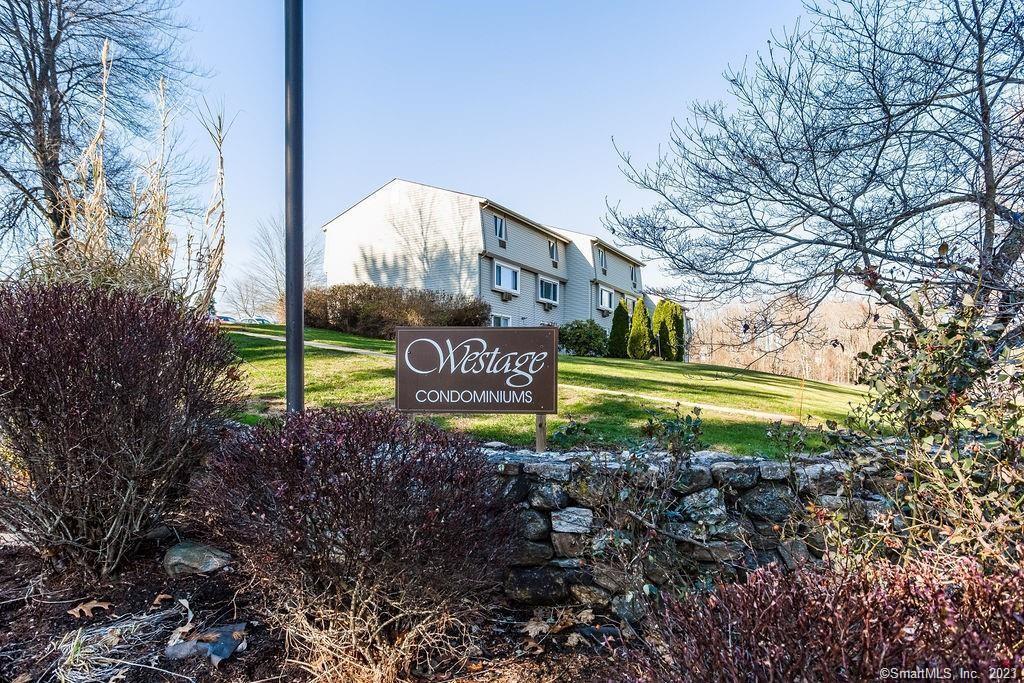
(833,625)
(373,530)
(108,402)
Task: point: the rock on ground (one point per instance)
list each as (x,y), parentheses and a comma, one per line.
(189,557)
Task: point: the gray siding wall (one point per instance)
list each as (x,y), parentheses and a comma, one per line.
(523,310)
(617,279)
(617,276)
(586,275)
(410,235)
(581,282)
(525,245)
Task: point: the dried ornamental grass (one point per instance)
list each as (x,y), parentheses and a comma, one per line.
(108,652)
(149,263)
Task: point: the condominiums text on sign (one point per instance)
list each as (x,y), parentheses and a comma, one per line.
(477,369)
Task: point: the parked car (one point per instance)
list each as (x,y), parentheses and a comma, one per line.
(226,319)
(258,320)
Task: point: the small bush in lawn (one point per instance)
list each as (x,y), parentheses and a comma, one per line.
(817,624)
(374,535)
(375,311)
(583,338)
(108,402)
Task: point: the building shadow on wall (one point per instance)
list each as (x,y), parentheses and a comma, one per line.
(431,249)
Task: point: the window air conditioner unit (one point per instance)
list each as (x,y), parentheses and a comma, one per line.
(604,271)
(505,296)
(548,307)
(605,314)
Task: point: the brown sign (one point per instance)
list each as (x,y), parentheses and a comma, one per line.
(477,369)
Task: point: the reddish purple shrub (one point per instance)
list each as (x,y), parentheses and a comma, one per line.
(381,526)
(831,625)
(108,402)
(337,488)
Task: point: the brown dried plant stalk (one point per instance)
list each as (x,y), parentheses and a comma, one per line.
(149,263)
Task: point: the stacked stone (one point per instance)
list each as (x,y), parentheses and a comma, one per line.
(731,511)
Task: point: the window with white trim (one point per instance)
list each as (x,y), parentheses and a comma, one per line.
(548,291)
(633,272)
(499,228)
(553,250)
(605,299)
(602,257)
(630,304)
(506,277)
(501,321)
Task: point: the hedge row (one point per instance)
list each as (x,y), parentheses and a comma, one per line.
(374,311)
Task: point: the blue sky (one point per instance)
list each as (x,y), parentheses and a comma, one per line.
(516,101)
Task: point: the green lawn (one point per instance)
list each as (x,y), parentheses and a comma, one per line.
(313,334)
(334,378)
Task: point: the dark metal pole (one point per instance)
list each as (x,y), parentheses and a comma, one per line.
(294,389)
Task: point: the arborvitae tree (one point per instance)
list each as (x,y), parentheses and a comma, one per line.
(641,339)
(663,328)
(666,348)
(618,340)
(680,341)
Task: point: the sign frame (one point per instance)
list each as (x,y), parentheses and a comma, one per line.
(542,416)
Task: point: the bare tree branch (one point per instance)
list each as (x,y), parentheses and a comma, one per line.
(50,89)
(879,150)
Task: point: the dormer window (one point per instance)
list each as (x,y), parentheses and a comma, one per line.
(499,228)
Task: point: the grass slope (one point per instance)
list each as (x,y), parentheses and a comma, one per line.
(336,378)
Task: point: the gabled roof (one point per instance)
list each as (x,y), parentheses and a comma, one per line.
(523,219)
(602,243)
(557,233)
(394,180)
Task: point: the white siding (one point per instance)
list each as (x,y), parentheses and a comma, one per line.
(410,235)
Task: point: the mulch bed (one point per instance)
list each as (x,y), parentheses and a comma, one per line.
(34,616)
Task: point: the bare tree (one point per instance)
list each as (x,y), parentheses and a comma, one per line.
(877,151)
(51,87)
(261,285)
(150,261)
(735,335)
(242,297)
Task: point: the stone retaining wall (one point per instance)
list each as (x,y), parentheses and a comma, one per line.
(728,514)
